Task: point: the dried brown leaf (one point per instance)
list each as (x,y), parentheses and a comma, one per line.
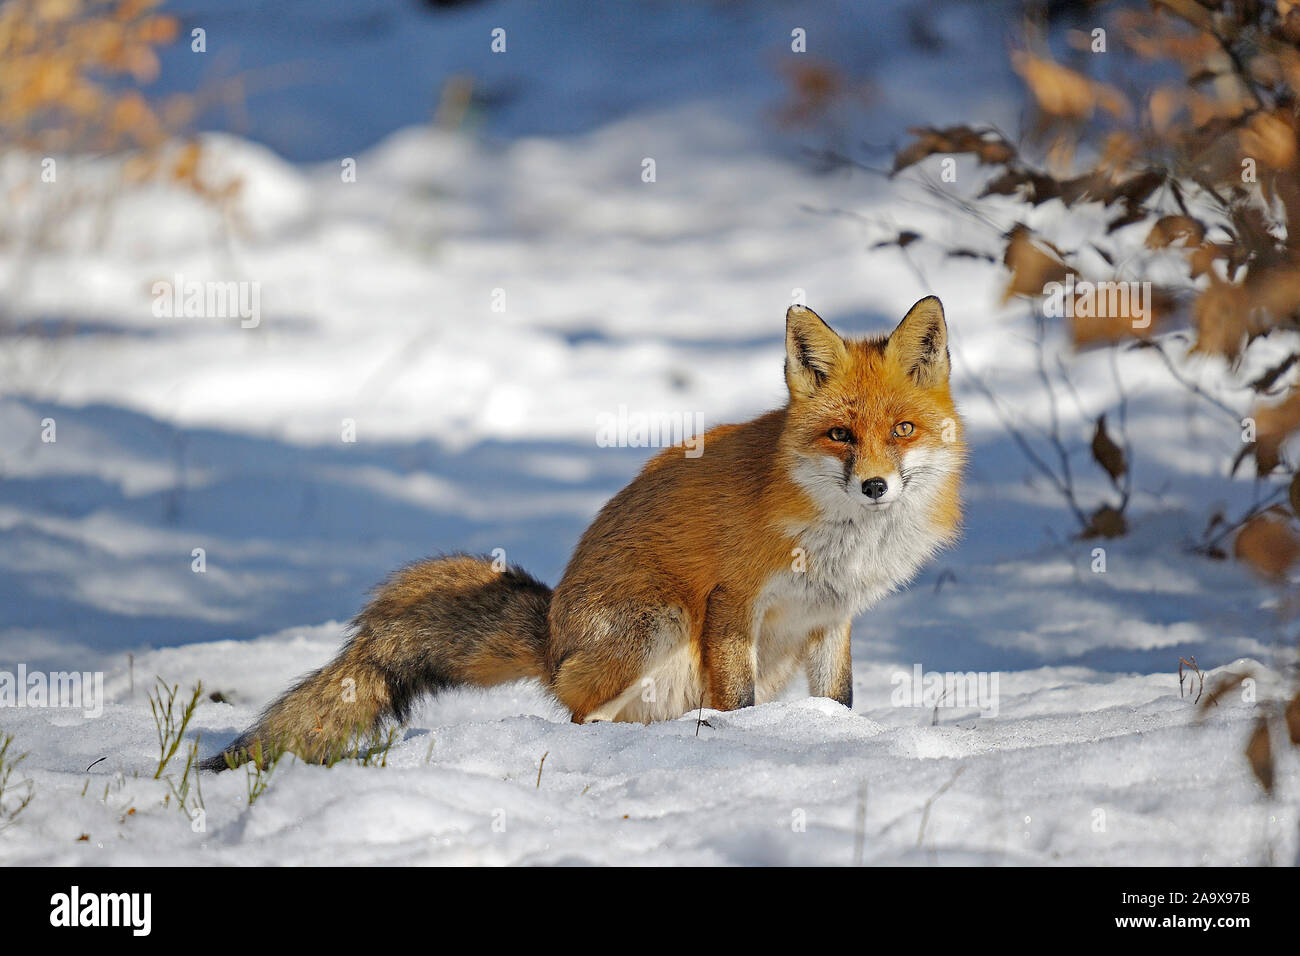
(1005,184)
(1033,264)
(1106,453)
(1270,138)
(1220,316)
(1269,544)
(1164,105)
(1259,751)
(1065,93)
(1273,425)
(1137,189)
(1112,319)
(1170,229)
(1292,716)
(902,240)
(1106,522)
(987,147)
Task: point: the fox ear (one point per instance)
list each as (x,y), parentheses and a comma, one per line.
(920,343)
(812,351)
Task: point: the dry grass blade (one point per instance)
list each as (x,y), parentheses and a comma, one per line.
(1196,676)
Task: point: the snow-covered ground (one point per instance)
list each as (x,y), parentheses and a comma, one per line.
(475,429)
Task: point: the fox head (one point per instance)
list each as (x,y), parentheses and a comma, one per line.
(871,422)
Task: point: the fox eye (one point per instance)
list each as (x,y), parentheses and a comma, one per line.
(839,434)
(903,429)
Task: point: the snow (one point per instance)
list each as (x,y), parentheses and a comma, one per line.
(476,430)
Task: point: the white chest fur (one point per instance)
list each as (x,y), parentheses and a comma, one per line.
(844,563)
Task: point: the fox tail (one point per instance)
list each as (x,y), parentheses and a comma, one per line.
(446,622)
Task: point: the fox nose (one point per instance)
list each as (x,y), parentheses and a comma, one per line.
(874,488)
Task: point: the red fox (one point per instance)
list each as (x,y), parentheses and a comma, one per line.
(706,582)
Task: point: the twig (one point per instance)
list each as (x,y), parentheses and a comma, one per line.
(1210,544)
(1127,490)
(934,716)
(1195,671)
(860,832)
(1189,385)
(1054,432)
(1025,448)
(925,813)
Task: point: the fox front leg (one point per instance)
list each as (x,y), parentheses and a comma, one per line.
(729,652)
(828,659)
